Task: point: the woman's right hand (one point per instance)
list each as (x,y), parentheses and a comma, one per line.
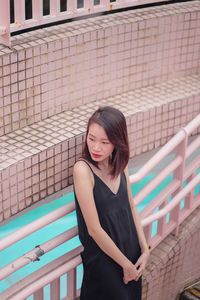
(130,273)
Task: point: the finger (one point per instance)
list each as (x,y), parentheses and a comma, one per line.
(141,269)
(140,273)
(137,264)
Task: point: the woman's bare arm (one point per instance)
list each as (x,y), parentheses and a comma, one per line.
(142,261)
(83,183)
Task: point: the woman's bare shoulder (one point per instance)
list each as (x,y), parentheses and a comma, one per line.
(82,170)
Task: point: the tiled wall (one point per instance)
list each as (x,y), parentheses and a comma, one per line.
(37,160)
(145,62)
(174,263)
(57,68)
(37,176)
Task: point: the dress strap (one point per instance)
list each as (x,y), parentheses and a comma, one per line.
(86,164)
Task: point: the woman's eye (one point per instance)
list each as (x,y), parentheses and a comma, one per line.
(105,143)
(91,139)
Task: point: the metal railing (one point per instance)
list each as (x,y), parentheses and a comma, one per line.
(168,201)
(29,14)
(184,166)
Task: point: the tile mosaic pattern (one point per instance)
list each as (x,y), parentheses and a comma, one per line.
(174,263)
(144,62)
(58,68)
(153,114)
(37,160)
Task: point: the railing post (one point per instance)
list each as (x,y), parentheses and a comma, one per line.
(19,9)
(71,6)
(162,222)
(71,284)
(105,2)
(54,7)
(89,5)
(38,295)
(147,232)
(178,174)
(189,198)
(55,289)
(37,8)
(5,23)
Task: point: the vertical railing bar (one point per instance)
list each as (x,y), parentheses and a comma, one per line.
(5,23)
(148,232)
(190,197)
(54,7)
(37,8)
(162,221)
(179,174)
(55,289)
(19,11)
(39,295)
(105,2)
(89,5)
(71,283)
(71,6)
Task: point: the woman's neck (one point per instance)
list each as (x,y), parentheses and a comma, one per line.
(104,165)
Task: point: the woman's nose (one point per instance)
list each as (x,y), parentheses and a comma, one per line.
(96,147)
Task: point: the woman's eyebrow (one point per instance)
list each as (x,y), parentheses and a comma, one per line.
(103,139)
(91,134)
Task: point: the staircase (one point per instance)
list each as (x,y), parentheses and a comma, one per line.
(145,62)
(191,293)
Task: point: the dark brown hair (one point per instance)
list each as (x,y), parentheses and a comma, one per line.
(114,124)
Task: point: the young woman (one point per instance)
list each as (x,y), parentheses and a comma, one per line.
(115,250)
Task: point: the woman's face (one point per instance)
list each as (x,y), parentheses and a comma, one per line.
(99,146)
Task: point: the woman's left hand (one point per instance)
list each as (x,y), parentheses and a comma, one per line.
(141,263)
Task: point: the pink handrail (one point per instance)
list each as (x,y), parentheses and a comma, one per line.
(157,180)
(173,203)
(36,225)
(180,173)
(158,157)
(193,146)
(164,151)
(38,251)
(176,216)
(42,281)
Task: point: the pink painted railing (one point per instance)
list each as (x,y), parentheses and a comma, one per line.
(183,171)
(66,264)
(72,11)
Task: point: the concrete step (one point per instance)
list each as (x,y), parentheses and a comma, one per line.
(191,293)
(37,160)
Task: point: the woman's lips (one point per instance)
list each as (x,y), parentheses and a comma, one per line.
(96,155)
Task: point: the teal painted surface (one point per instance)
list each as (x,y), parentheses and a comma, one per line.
(53,230)
(46,233)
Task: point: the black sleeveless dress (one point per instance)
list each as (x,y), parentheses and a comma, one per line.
(103,277)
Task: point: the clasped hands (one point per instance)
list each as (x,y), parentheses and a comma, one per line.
(133,272)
